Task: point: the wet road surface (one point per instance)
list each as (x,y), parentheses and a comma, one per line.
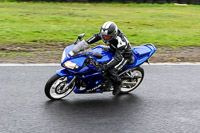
(168,100)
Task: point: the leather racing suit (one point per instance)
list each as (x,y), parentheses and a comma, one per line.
(123,54)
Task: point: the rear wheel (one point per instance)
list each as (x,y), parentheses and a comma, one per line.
(57,87)
(133,80)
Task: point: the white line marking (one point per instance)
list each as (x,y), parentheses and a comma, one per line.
(174,64)
(156,64)
(30,65)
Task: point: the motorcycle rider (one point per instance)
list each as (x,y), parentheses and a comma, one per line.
(120,47)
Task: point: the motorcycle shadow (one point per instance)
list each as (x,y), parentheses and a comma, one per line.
(98,106)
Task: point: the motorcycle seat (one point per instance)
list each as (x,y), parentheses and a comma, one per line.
(141,51)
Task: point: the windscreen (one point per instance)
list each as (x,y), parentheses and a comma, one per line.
(80,47)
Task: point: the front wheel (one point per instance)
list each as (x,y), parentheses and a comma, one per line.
(57,87)
(135,77)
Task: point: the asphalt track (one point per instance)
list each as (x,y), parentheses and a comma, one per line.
(167,101)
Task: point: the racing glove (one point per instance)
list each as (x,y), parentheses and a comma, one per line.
(101,67)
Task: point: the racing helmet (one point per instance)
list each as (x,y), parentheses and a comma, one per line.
(108,31)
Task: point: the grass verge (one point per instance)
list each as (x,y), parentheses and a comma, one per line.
(51,23)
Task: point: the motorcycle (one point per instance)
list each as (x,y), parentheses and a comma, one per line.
(79,73)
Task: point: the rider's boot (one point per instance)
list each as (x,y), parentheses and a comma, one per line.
(117,88)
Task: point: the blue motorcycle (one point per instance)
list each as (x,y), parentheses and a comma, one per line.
(79,73)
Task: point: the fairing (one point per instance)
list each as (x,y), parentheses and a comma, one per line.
(88,73)
(107,55)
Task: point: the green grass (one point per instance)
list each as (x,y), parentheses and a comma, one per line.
(49,23)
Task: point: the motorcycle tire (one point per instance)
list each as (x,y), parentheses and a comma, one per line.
(53,88)
(138,79)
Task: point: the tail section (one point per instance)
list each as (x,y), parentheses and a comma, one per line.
(142,53)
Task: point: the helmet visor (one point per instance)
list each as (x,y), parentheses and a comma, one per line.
(106,37)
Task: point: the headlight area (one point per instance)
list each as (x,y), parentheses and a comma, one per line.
(71,65)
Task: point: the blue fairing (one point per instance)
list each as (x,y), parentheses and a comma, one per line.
(92,80)
(107,55)
(140,53)
(89,75)
(65,73)
(79,59)
(67,50)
